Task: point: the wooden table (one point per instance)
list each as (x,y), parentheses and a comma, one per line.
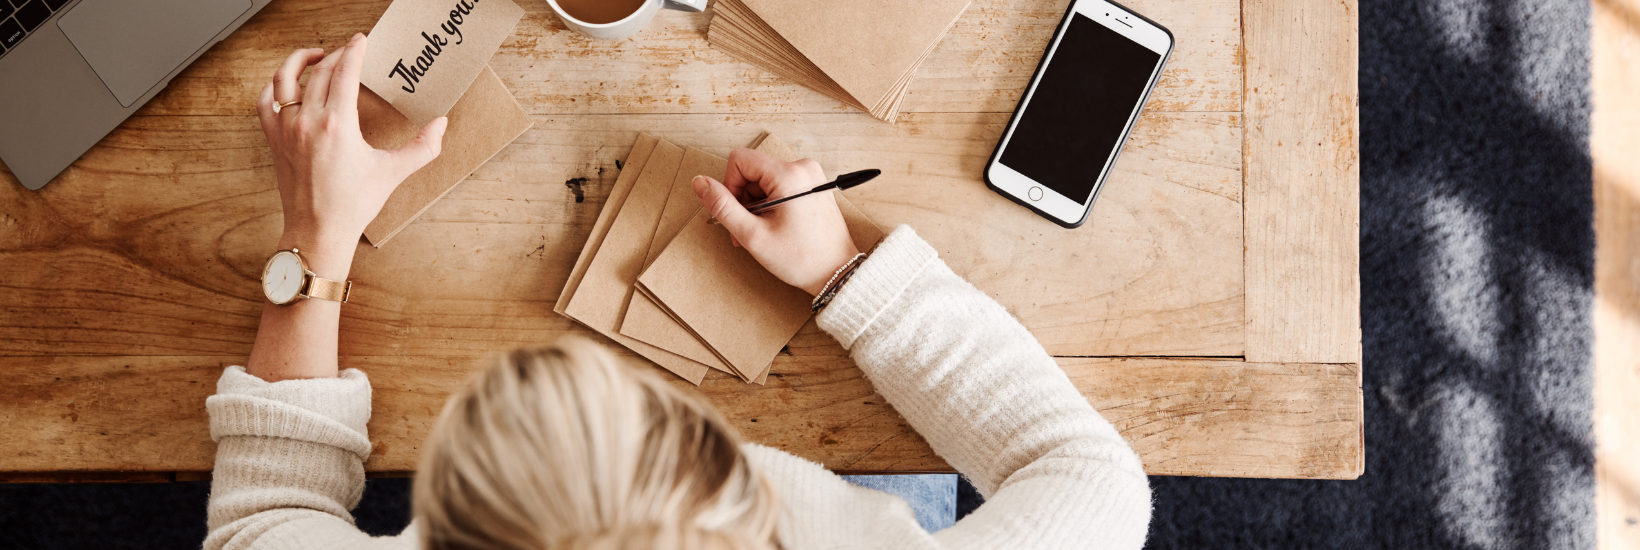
(1210,307)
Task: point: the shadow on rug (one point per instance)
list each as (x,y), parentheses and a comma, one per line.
(1477,273)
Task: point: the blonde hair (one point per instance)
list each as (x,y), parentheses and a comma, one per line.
(564,447)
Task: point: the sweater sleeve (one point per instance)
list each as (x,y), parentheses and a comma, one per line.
(289,462)
(991,401)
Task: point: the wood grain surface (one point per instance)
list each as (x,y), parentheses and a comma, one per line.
(1613,141)
(982,65)
(153,243)
(1197,417)
(1303,182)
(130,281)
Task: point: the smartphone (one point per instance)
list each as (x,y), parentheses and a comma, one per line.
(1081,105)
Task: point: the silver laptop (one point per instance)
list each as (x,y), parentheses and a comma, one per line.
(72,70)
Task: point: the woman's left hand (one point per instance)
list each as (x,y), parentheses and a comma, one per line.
(331,182)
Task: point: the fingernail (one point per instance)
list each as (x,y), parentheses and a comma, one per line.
(357,37)
(701,184)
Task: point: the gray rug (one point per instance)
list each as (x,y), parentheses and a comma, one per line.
(1477,274)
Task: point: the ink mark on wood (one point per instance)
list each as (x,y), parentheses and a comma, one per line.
(575,185)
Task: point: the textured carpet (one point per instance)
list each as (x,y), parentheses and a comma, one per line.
(1476,283)
(1476,271)
(110,516)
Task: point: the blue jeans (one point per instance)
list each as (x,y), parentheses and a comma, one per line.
(932,496)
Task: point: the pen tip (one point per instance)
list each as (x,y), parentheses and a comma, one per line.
(857,178)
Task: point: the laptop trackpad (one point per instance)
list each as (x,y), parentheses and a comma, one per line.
(133,45)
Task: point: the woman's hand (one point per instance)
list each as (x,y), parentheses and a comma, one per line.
(802,242)
(331,182)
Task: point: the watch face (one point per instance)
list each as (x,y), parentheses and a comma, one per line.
(282,278)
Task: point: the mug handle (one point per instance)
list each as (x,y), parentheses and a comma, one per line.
(684,5)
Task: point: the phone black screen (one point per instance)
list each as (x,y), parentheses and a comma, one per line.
(1074,120)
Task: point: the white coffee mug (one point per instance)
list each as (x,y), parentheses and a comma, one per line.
(628,25)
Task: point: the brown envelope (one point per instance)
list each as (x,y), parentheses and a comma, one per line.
(647,317)
(652,195)
(741,310)
(424,54)
(862,52)
(681,203)
(660,329)
(635,161)
(744,313)
(628,176)
(484,121)
(601,298)
(865,45)
(737,31)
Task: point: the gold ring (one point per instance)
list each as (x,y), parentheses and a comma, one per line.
(281,106)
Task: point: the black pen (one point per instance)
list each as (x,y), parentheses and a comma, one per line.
(845,181)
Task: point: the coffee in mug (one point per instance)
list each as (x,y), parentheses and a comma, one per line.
(615,19)
(599,12)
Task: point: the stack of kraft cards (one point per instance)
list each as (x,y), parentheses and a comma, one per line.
(659,278)
(860,52)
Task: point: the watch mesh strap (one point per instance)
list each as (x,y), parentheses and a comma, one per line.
(326,289)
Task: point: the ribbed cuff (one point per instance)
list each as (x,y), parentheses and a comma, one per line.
(330,411)
(878,281)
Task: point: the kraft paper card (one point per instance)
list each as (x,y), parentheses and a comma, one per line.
(681,203)
(861,52)
(600,300)
(483,122)
(617,196)
(741,310)
(647,320)
(735,30)
(672,337)
(775,147)
(424,54)
(605,289)
(651,207)
(744,313)
(660,328)
(648,316)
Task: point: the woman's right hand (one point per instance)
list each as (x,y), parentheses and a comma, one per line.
(803,242)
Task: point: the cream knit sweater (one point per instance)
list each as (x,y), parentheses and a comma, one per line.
(963,372)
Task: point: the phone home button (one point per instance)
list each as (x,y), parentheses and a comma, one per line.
(1035,193)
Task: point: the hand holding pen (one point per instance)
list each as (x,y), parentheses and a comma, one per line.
(843,182)
(806,243)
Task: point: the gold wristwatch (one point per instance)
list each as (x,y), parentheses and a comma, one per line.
(286,279)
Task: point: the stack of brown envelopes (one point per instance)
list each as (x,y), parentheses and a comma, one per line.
(861,52)
(660,279)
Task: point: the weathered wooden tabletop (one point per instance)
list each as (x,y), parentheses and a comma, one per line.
(1209,308)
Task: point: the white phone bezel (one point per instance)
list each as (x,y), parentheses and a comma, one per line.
(1010,181)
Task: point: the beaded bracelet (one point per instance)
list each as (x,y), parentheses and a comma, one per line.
(836,283)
